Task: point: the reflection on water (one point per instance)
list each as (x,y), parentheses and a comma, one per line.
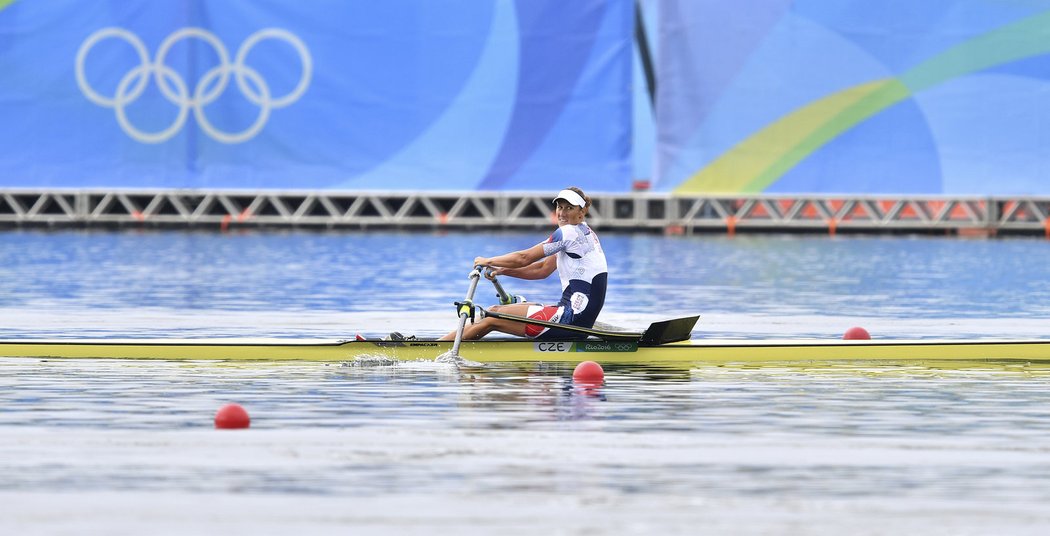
(1005,403)
(819,432)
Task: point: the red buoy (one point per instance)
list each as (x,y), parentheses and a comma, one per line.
(231,416)
(856,333)
(589,372)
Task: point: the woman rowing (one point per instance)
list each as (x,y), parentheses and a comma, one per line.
(574,250)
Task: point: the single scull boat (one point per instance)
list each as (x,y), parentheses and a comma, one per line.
(667,341)
(623,350)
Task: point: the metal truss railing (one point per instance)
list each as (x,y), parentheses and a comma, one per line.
(508,210)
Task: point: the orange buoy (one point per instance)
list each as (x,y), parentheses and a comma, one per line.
(231,416)
(589,372)
(856,333)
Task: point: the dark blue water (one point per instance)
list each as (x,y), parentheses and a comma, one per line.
(301,271)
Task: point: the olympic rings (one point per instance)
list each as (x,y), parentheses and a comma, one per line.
(208,89)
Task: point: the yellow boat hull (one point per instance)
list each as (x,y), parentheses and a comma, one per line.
(503,350)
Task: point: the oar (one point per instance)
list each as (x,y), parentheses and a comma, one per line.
(662,332)
(604,335)
(466,309)
(504,297)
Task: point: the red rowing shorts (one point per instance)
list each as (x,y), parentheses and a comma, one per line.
(549,313)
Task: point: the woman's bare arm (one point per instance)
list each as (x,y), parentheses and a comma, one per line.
(540,269)
(525,264)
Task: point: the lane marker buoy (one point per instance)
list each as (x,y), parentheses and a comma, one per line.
(231,417)
(589,372)
(856,333)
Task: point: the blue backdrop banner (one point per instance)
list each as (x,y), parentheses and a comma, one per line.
(854,96)
(347,94)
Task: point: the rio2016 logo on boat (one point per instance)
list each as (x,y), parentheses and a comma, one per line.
(209,88)
(586,346)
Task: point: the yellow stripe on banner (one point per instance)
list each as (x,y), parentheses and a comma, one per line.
(759,160)
(5,3)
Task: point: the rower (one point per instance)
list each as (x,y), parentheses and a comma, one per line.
(574,250)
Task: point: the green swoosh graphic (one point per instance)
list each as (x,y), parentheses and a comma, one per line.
(760,160)
(5,3)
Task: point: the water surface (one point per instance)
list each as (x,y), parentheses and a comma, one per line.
(127,447)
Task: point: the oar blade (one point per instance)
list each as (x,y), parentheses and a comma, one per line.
(668,331)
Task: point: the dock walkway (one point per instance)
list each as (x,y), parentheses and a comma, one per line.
(627,212)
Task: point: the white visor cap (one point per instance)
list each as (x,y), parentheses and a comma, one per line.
(572,197)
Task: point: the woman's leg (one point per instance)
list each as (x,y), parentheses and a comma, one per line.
(487,325)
